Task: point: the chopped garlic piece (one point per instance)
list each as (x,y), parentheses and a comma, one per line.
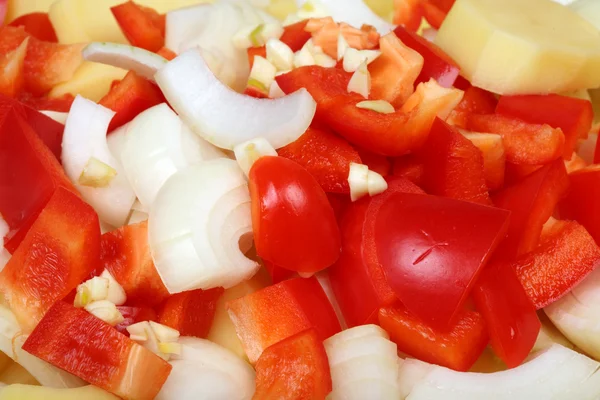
(242,38)
(363,181)
(323,60)
(303,57)
(164,334)
(275,91)
(376,183)
(249,152)
(380,106)
(262,74)
(280,55)
(271,30)
(353,58)
(106,311)
(116,293)
(83,296)
(257,35)
(360,82)
(158,338)
(94,289)
(139,331)
(342,46)
(97,174)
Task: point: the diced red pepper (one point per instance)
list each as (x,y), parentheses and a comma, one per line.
(290,307)
(457,348)
(255,92)
(130,97)
(126,255)
(277,273)
(376,162)
(408,13)
(531,202)
(515,173)
(494,157)
(11,37)
(409,167)
(293,35)
(435,11)
(295,368)
(12,71)
(474,101)
(437,64)
(326,156)
(59,252)
(133,315)
(597,153)
(142,26)
(453,165)
(573,116)
(576,163)
(510,316)
(191,313)
(581,203)
(357,279)
(29,171)
(524,143)
(166,53)
(38,25)
(60,104)
(435,241)
(74,340)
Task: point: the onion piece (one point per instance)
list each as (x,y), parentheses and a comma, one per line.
(226,118)
(157,145)
(249,152)
(85,137)
(355,13)
(143,62)
(556,373)
(205,370)
(196,223)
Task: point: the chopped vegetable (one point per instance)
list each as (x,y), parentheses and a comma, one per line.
(106,311)
(190,313)
(246,154)
(96,174)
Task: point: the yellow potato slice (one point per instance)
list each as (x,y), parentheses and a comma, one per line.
(29,392)
(91,80)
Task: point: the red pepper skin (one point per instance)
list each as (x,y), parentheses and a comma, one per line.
(452,165)
(326,156)
(581,203)
(130,97)
(566,255)
(191,313)
(292,306)
(474,101)
(357,279)
(58,253)
(142,26)
(573,116)
(435,11)
(509,314)
(38,25)
(59,104)
(74,340)
(276,273)
(457,348)
(437,64)
(166,53)
(531,202)
(410,167)
(376,162)
(408,13)
(295,368)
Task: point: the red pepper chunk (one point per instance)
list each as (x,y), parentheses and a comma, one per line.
(357,279)
(457,348)
(191,313)
(566,255)
(474,101)
(74,340)
(435,11)
(277,273)
(275,313)
(130,97)
(293,369)
(531,202)
(581,203)
(126,255)
(38,25)
(573,116)
(12,71)
(435,251)
(59,252)
(326,156)
(142,26)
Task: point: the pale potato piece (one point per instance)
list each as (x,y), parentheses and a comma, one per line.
(16,8)
(29,392)
(588,9)
(91,80)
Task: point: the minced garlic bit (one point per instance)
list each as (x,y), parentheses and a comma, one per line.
(363,181)
(360,82)
(353,58)
(262,74)
(97,174)
(103,287)
(247,153)
(380,106)
(106,311)
(280,55)
(158,338)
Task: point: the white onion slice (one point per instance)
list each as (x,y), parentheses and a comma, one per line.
(205,370)
(143,62)
(85,137)
(556,373)
(226,118)
(60,117)
(156,145)
(196,223)
(355,13)
(116,141)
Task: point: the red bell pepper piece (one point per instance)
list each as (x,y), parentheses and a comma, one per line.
(255,92)
(435,11)
(494,157)
(457,348)
(453,166)
(130,97)
(474,101)
(409,167)
(386,134)
(510,316)
(291,306)
(581,203)
(293,35)
(357,279)
(133,315)
(11,37)
(126,255)
(597,153)
(166,53)
(38,25)
(515,173)
(376,162)
(437,64)
(191,313)
(531,202)
(59,251)
(326,156)
(435,241)
(277,273)
(573,116)
(74,340)
(142,26)
(408,13)
(60,104)
(566,255)
(295,368)
(576,163)
(524,143)
(12,71)
(28,171)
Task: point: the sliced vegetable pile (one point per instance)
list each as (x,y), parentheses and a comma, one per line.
(270,200)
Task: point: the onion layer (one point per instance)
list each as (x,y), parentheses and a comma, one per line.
(197,224)
(142,62)
(226,118)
